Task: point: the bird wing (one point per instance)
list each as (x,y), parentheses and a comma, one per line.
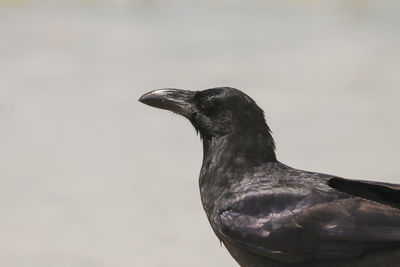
(385,193)
(332,230)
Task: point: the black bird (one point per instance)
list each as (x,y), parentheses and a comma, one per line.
(269,214)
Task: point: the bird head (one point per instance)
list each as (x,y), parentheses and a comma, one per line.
(213,112)
(221,114)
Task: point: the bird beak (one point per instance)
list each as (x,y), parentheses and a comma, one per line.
(175,100)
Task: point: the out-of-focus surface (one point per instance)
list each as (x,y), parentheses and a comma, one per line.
(91,177)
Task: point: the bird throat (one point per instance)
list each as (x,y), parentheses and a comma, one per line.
(226,159)
(246,147)
(237,153)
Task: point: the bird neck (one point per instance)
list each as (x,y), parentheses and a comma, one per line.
(240,150)
(226,159)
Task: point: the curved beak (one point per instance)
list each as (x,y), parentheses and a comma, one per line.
(175,100)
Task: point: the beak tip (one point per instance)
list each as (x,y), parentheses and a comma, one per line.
(175,100)
(143,98)
(154,96)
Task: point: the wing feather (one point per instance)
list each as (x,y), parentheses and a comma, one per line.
(338,229)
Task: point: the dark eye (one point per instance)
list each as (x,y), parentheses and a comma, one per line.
(206,105)
(209,107)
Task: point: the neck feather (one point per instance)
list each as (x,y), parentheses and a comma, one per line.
(243,149)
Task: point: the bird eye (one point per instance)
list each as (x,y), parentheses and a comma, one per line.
(205,105)
(209,107)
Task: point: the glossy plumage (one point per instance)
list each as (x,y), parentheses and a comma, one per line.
(269,214)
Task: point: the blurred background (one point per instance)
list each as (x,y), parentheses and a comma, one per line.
(91,177)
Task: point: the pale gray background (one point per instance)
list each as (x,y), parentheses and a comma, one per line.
(91,177)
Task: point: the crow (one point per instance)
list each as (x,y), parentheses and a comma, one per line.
(269,214)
